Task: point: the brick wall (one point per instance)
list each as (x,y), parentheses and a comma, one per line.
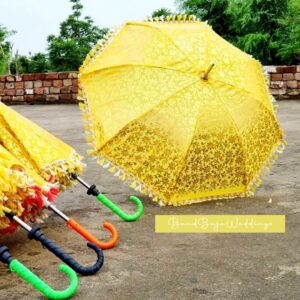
(39,88)
(63,87)
(284,81)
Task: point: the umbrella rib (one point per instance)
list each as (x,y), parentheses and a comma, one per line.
(137,65)
(149,111)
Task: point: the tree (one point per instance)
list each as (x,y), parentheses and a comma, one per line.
(289,34)
(212,11)
(256,24)
(161,12)
(77,36)
(5,49)
(37,63)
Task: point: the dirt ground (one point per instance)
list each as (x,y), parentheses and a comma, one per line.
(146,265)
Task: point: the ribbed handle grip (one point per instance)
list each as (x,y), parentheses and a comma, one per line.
(41,286)
(36,234)
(119,212)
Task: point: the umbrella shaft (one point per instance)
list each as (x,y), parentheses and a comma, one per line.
(22,224)
(83,182)
(58,212)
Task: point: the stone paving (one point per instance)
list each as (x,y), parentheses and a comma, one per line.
(146,265)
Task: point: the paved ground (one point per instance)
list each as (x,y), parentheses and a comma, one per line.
(146,265)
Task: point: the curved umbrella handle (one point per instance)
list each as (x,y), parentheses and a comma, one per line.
(91,238)
(118,211)
(35,281)
(41,286)
(92,190)
(36,234)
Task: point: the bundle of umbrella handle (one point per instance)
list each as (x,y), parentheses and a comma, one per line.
(35,281)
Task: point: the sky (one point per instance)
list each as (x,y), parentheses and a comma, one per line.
(34,20)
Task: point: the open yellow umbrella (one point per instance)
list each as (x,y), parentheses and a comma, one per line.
(179,112)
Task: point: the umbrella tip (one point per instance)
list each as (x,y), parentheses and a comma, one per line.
(204,75)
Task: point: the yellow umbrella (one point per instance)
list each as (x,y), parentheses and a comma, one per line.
(21,191)
(179,112)
(36,149)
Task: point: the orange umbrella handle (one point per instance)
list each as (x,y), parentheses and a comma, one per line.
(91,238)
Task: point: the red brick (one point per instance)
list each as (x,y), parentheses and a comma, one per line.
(289,69)
(10,78)
(51,76)
(10,92)
(39,91)
(28,98)
(29,77)
(63,75)
(18,98)
(52,98)
(1,86)
(57,83)
(2,79)
(2,93)
(75,97)
(66,97)
(20,85)
(288,76)
(39,98)
(6,98)
(298,84)
(276,77)
(39,76)
(47,83)
(75,89)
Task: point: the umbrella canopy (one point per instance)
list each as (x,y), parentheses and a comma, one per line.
(179,112)
(34,166)
(21,191)
(36,149)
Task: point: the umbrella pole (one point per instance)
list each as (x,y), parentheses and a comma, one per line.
(71,223)
(35,233)
(204,76)
(92,190)
(35,281)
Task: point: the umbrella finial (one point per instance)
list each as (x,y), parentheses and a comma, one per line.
(204,75)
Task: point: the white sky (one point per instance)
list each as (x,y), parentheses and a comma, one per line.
(34,20)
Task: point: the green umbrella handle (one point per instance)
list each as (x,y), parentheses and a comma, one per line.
(92,190)
(118,211)
(41,286)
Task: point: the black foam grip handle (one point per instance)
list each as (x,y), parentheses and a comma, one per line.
(5,256)
(37,235)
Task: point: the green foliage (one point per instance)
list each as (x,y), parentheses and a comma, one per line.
(5,49)
(213,11)
(77,36)
(267,29)
(161,12)
(38,63)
